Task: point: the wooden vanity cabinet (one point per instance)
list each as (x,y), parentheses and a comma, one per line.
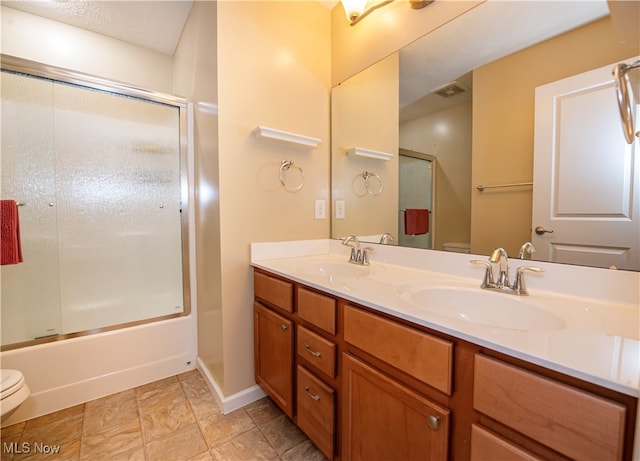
(385,420)
(575,423)
(487,446)
(274,339)
(365,385)
(383,417)
(296,355)
(317,372)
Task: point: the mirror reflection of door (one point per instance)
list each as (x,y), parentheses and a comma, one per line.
(585,196)
(416,190)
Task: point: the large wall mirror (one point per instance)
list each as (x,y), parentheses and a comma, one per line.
(431,124)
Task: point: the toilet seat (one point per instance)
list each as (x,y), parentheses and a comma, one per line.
(11,381)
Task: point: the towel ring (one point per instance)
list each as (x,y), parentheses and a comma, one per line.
(624,97)
(372,188)
(285,166)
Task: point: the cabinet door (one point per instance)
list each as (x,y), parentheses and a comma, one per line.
(273,344)
(384,420)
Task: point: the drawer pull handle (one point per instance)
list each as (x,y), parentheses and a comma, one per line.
(312,352)
(433,422)
(313,396)
(285,327)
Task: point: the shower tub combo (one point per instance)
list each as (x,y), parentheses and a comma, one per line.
(100,173)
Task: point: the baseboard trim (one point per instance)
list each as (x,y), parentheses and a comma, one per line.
(234,401)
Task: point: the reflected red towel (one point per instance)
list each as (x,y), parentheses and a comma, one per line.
(10,248)
(416,221)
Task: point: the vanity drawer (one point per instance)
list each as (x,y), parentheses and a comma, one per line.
(316,410)
(274,291)
(418,354)
(569,420)
(486,446)
(317,350)
(317,309)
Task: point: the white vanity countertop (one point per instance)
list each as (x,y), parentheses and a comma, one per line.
(596,337)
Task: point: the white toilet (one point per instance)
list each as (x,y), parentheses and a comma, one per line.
(14,391)
(457,247)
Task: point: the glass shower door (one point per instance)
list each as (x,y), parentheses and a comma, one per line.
(30,290)
(99,177)
(118,179)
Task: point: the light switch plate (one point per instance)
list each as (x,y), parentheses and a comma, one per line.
(321,209)
(339,209)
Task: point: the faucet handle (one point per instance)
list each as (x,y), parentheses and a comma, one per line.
(488,274)
(519,286)
(348,239)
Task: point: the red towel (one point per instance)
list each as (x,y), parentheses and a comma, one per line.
(11,250)
(416,221)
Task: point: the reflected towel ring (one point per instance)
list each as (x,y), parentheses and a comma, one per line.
(285,166)
(625,99)
(372,189)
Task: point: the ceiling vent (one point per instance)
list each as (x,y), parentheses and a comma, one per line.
(450,89)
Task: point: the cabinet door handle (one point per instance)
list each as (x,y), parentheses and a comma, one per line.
(313,396)
(433,422)
(312,352)
(285,327)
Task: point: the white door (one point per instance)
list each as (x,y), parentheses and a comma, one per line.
(586,188)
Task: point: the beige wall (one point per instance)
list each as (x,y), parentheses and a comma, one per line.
(364,113)
(353,48)
(272,62)
(195,77)
(446,134)
(49,42)
(503,114)
(273,70)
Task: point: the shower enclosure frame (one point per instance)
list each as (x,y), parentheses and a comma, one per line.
(67,76)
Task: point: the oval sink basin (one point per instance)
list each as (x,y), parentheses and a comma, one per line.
(499,310)
(333,269)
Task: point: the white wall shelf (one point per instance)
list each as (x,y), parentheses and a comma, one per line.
(271,134)
(361,152)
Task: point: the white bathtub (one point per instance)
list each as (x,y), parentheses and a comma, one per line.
(72,371)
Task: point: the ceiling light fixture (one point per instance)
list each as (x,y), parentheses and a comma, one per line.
(356,10)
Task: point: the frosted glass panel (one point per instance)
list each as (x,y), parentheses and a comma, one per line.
(101,231)
(416,185)
(118,208)
(30,291)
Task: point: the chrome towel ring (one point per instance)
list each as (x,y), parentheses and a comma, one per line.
(285,166)
(372,182)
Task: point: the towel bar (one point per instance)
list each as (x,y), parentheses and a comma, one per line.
(480,187)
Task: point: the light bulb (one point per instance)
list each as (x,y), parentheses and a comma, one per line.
(353,8)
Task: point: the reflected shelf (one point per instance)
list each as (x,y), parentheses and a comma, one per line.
(362,152)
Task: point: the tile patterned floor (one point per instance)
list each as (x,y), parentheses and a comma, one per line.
(168,420)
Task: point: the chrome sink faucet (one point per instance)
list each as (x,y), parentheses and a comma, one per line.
(358,255)
(526,248)
(500,262)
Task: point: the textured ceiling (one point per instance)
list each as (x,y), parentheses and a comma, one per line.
(156,25)
(486,33)
(489,31)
